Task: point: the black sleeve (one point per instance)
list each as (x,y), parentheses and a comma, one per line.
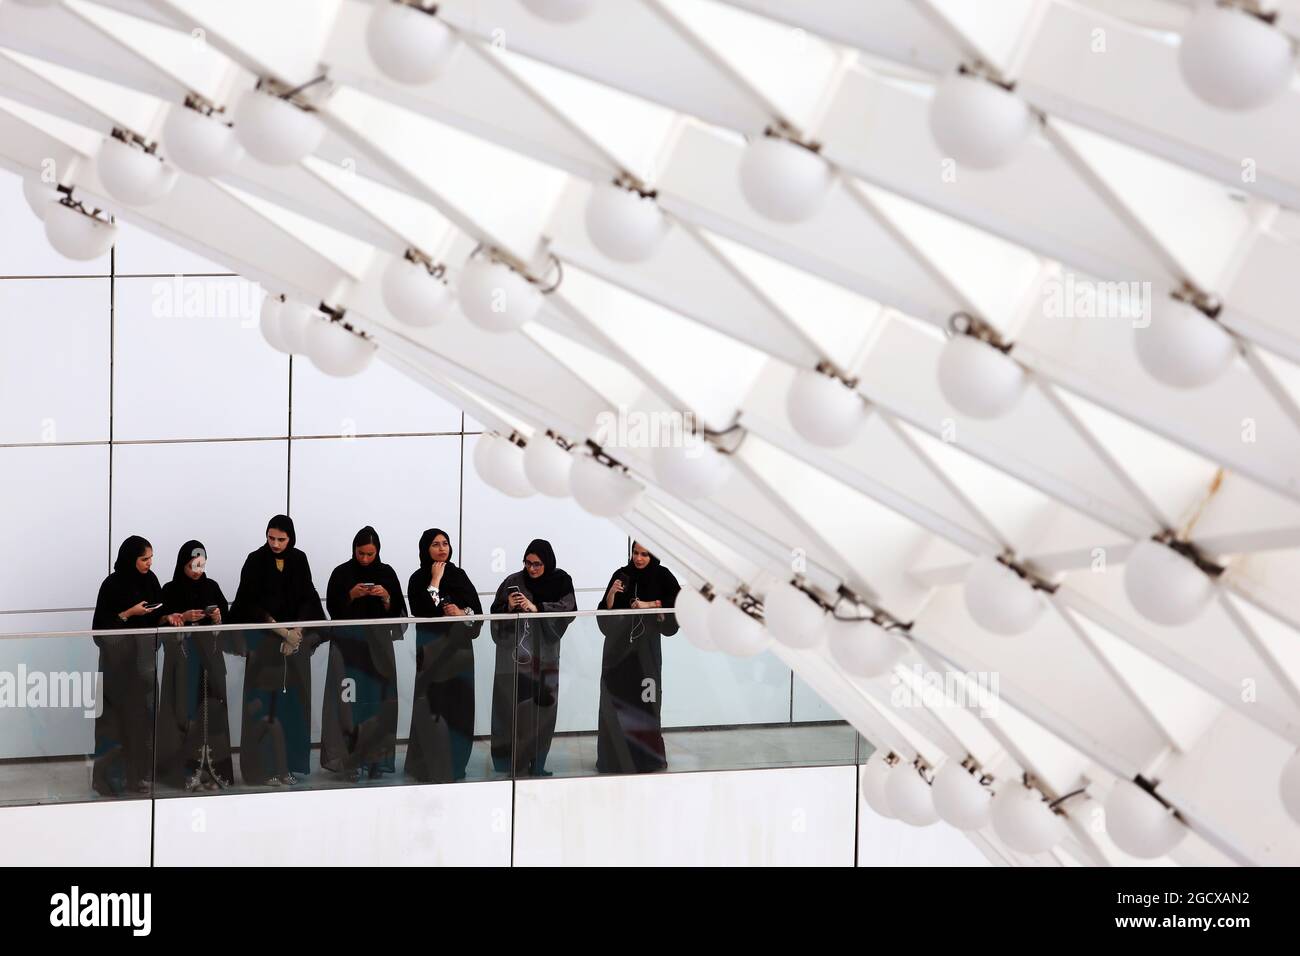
(337,601)
(672,588)
(421,600)
(106,612)
(248,609)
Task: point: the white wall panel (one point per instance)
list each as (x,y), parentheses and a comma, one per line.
(104,833)
(55,366)
(465,824)
(221,493)
(140,252)
(190,362)
(794,817)
(379,401)
(54,509)
(24,250)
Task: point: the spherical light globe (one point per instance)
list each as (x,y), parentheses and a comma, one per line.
(500,463)
(131,175)
(560,11)
(1182,347)
(623,224)
(793,618)
(200,144)
(275,131)
(782,181)
(548,466)
(692,609)
(910,798)
(269,323)
(1140,824)
(875,778)
(335,350)
(999,599)
(1024,821)
(495,297)
(862,648)
(415,296)
(979,380)
(293,320)
(1165,587)
(692,470)
(1289,787)
(40,196)
(1234,61)
(734,631)
(823,410)
(959,798)
(600,490)
(408,45)
(76,235)
(978,123)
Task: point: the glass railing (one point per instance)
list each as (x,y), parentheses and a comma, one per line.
(247,708)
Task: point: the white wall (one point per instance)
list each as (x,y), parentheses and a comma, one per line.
(106,833)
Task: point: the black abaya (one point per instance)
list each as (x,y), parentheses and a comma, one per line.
(359,712)
(193,729)
(275,739)
(630,738)
(442,711)
(526,687)
(123,760)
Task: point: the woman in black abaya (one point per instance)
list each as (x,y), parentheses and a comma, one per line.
(631,736)
(130,597)
(359,714)
(526,688)
(193,732)
(275,586)
(442,712)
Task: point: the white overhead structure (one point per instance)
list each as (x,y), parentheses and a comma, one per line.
(975,328)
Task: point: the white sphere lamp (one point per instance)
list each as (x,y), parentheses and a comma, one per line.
(862,648)
(793,618)
(500,463)
(274,130)
(1164,586)
(823,410)
(131,175)
(77,234)
(1023,821)
(876,773)
(910,797)
(692,469)
(200,143)
(1233,60)
(335,349)
(416,294)
(1182,347)
(959,797)
(495,297)
(979,379)
(977,122)
(999,599)
(560,11)
(408,44)
(1140,824)
(1289,787)
(603,490)
(548,466)
(623,224)
(692,609)
(735,632)
(782,180)
(40,196)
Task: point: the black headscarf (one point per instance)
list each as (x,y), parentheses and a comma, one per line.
(125,588)
(352,572)
(553,584)
(654,582)
(454,588)
(182,594)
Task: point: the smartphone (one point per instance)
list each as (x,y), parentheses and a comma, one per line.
(209,609)
(153,607)
(514,588)
(366,584)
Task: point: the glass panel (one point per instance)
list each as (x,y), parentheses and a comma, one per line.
(214,709)
(76,716)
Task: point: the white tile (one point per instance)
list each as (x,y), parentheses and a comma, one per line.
(103,833)
(24,250)
(221,493)
(190,362)
(54,509)
(379,401)
(465,824)
(140,252)
(497,528)
(54,369)
(790,817)
(399,486)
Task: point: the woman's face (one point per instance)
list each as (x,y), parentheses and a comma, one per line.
(440,548)
(534,566)
(277,540)
(366,555)
(143,562)
(194,570)
(640,557)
